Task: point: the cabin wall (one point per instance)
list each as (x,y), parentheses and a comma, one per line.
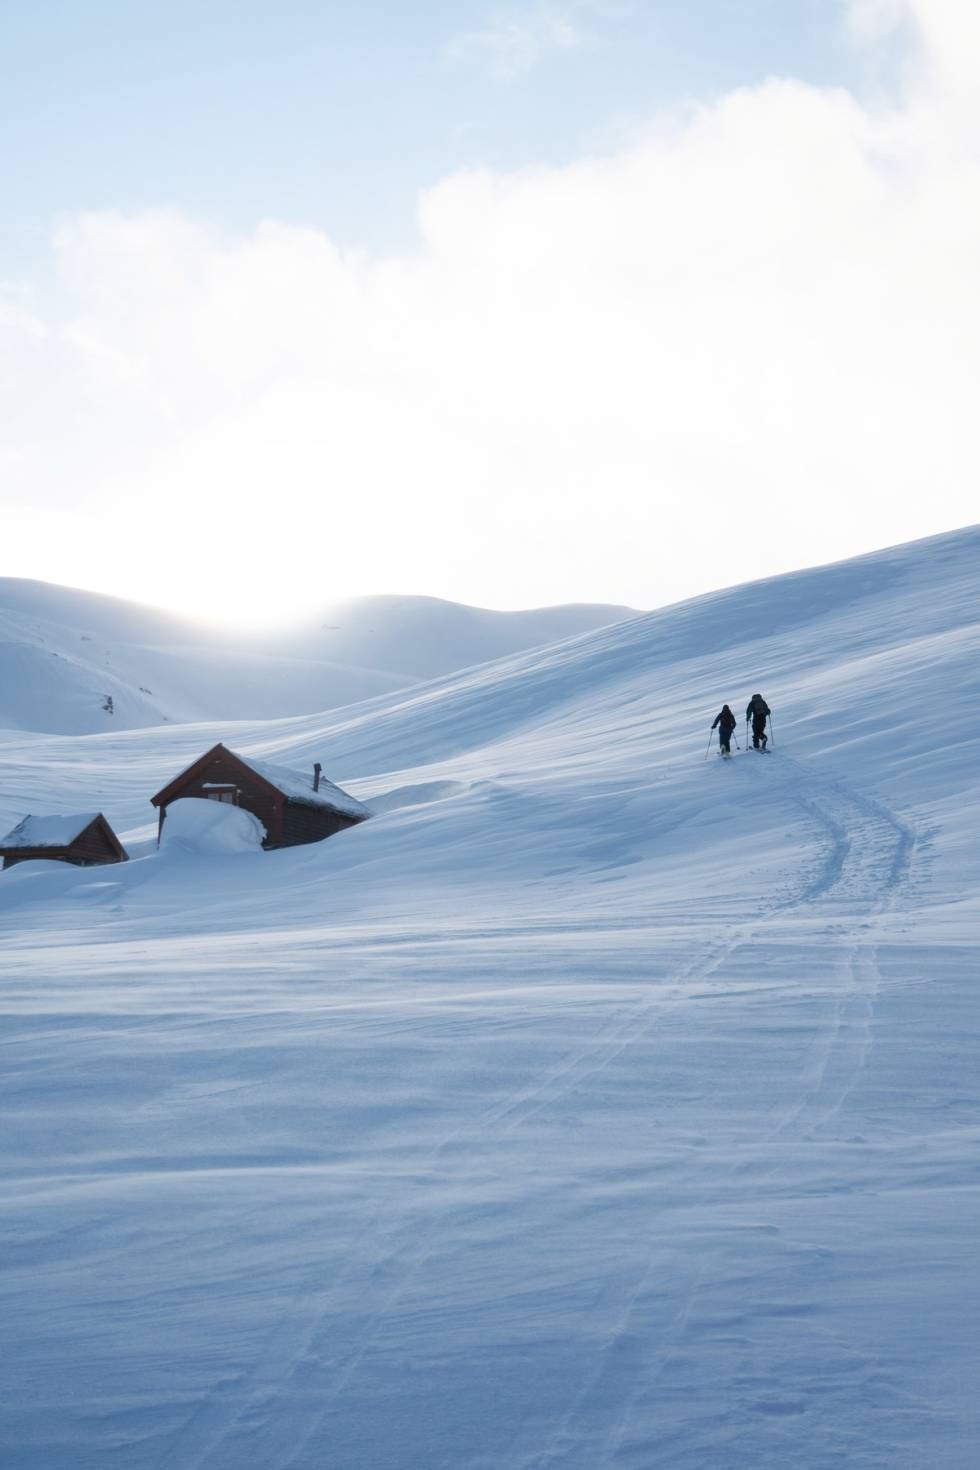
(42,854)
(249,794)
(90,847)
(309,824)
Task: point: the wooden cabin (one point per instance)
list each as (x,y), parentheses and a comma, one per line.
(83,840)
(293,806)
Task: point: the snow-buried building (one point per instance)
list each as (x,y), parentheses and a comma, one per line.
(292,806)
(84,840)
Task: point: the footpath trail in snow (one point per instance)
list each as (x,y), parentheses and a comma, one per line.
(594,1105)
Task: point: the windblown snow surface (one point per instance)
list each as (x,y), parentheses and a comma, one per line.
(594,1104)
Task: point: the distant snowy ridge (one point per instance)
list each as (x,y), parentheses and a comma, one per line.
(77,663)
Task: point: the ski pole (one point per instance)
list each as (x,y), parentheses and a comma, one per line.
(772,732)
(708,751)
(735,738)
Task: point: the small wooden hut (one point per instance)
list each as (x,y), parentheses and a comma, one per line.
(293,806)
(83,840)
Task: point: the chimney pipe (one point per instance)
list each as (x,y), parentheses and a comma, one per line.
(317,768)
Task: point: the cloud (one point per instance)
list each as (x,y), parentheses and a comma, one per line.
(949,32)
(747,342)
(515,40)
(944,42)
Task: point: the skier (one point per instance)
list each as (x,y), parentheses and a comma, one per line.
(758,712)
(726,723)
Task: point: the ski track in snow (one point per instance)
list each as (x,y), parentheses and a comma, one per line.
(869,853)
(875,850)
(867,858)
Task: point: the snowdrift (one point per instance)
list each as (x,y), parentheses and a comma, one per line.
(596,1103)
(199,826)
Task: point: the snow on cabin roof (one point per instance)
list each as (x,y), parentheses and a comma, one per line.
(47,831)
(298,786)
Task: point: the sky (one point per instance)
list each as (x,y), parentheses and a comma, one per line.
(556,301)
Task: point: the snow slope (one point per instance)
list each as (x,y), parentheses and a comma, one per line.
(595,1104)
(427,637)
(76,663)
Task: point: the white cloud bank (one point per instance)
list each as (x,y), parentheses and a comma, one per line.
(750,343)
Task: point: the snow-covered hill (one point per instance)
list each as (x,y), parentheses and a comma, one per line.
(595,1104)
(76,663)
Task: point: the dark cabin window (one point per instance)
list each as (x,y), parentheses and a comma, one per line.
(228,794)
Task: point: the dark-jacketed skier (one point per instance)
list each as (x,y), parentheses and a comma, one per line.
(758,712)
(726,723)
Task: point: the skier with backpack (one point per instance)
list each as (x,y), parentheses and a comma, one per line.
(725,722)
(758,712)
